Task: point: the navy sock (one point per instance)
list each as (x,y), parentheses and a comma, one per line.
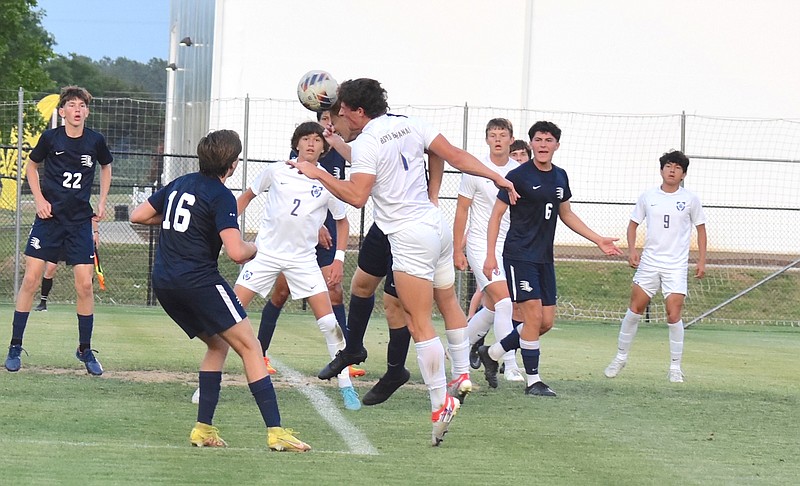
(530,360)
(397,351)
(209,396)
(269,320)
(47,285)
(85,326)
(511,341)
(267,401)
(341,318)
(357,321)
(18,327)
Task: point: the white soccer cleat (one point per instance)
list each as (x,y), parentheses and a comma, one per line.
(675,375)
(442,417)
(514,375)
(196,396)
(613,369)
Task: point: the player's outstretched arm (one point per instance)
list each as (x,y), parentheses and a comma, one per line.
(577,225)
(237,249)
(145,213)
(354,192)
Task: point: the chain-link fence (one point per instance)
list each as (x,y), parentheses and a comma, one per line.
(745,172)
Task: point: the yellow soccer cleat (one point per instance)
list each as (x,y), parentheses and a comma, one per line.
(356,372)
(204,435)
(280,439)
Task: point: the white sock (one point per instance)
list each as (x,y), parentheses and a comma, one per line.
(496,351)
(344,378)
(675,344)
(502,327)
(479,325)
(458,345)
(332,332)
(430,358)
(627,331)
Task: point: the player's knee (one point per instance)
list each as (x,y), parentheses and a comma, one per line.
(545,326)
(327,324)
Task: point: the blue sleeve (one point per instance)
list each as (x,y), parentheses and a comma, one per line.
(103,154)
(42,148)
(224,206)
(158,197)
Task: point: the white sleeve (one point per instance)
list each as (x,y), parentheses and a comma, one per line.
(639,211)
(698,215)
(426,130)
(364,154)
(467,186)
(337,208)
(263,181)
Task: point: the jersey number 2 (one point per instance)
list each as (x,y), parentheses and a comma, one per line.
(180,220)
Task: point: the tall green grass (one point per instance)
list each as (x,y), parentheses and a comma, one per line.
(734,421)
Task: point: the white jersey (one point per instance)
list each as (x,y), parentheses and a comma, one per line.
(391,148)
(296,209)
(670,218)
(483,194)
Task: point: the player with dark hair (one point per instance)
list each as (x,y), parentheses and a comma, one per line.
(388,164)
(197,215)
(528,251)
(63,224)
(520,151)
(670,212)
(296,208)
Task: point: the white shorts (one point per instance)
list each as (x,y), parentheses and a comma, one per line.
(304,279)
(670,281)
(476,256)
(425,250)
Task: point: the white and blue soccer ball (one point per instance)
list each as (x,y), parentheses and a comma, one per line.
(317,90)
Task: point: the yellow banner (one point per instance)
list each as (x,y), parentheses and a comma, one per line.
(8,157)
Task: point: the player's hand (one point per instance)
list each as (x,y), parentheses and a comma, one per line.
(507,185)
(43,208)
(100,213)
(312,171)
(701,270)
(633,258)
(459,260)
(490,267)
(336,273)
(324,238)
(608,247)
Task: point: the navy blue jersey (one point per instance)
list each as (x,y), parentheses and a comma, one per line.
(534,216)
(69,168)
(195,208)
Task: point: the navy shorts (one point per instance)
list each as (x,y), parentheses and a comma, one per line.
(206,310)
(52,241)
(375,258)
(531,281)
(325,255)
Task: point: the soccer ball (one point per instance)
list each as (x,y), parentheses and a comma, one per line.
(317,90)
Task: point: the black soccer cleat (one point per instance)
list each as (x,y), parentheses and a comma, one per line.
(490,366)
(341,361)
(474,358)
(42,307)
(539,389)
(384,388)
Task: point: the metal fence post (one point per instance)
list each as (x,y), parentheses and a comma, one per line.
(18,219)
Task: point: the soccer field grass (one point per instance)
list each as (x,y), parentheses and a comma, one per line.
(734,421)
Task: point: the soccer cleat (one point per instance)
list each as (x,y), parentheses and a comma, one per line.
(489,366)
(13,361)
(87,358)
(474,358)
(280,439)
(442,417)
(460,387)
(196,396)
(356,372)
(270,369)
(514,375)
(350,396)
(42,307)
(675,375)
(204,435)
(341,361)
(384,388)
(539,389)
(614,367)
